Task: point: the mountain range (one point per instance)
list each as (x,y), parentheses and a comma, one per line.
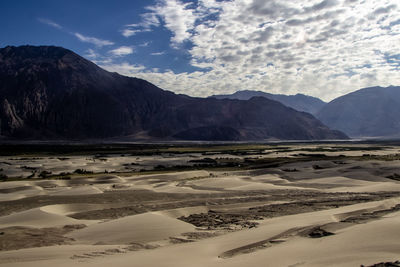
(49,92)
(368,112)
(298,102)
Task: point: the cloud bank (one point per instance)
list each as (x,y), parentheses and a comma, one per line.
(321,48)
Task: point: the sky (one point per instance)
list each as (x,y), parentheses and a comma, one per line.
(322,48)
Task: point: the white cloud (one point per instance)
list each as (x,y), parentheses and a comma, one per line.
(97,42)
(121,51)
(178,18)
(144,44)
(91,54)
(324,48)
(129,32)
(149,20)
(50,23)
(157,53)
(123,68)
(133,29)
(93,40)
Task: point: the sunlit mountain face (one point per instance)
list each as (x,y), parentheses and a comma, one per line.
(320,48)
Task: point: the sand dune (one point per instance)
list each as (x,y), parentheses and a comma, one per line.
(49,184)
(241,214)
(270,178)
(69,209)
(72,191)
(142,228)
(290,251)
(106,179)
(37,218)
(21,192)
(367,207)
(243,183)
(174,188)
(176,213)
(370,243)
(340,180)
(176,176)
(168,183)
(14,184)
(371,187)
(55,255)
(17,190)
(205,253)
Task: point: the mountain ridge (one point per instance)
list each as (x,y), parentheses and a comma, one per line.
(367,112)
(51,92)
(298,102)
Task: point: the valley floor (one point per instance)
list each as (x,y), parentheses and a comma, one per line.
(211,205)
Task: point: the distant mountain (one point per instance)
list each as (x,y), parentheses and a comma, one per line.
(299,102)
(51,92)
(369,112)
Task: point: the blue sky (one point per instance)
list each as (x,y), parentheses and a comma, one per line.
(57,22)
(323,48)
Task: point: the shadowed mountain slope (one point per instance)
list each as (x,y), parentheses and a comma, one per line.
(368,112)
(298,102)
(51,92)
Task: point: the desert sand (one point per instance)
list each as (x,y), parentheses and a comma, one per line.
(341,208)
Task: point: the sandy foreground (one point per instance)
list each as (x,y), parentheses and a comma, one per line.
(314,211)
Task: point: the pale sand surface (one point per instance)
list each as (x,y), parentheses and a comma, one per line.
(167,183)
(27,191)
(39,218)
(261,216)
(205,253)
(53,255)
(236,183)
(34,218)
(69,209)
(372,187)
(142,228)
(82,190)
(175,213)
(296,250)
